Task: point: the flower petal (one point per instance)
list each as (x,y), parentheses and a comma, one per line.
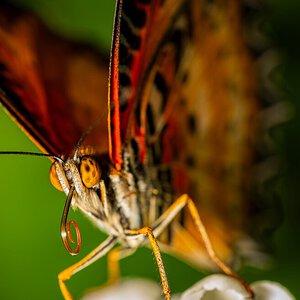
(268,290)
(133,289)
(216,287)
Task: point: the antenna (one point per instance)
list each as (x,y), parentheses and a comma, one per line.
(31,154)
(83,137)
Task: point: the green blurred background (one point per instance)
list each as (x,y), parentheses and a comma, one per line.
(31,251)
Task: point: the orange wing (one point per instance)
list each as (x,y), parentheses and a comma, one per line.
(184,85)
(135,42)
(214,132)
(53,88)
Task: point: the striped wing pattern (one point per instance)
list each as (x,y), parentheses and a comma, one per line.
(187,94)
(135,41)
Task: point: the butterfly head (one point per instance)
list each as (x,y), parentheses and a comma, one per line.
(80,171)
(75,174)
(85,170)
(79,174)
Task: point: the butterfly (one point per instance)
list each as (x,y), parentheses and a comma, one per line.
(182,123)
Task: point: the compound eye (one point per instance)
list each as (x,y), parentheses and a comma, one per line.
(89,171)
(54,177)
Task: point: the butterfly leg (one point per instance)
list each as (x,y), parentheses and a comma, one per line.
(101,250)
(147,231)
(113,262)
(169,215)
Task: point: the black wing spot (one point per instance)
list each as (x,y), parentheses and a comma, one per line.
(192,124)
(161,85)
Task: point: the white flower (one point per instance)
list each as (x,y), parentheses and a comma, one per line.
(217,287)
(214,287)
(133,289)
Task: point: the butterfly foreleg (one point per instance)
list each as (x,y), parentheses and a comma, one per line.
(113,262)
(169,215)
(94,255)
(147,231)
